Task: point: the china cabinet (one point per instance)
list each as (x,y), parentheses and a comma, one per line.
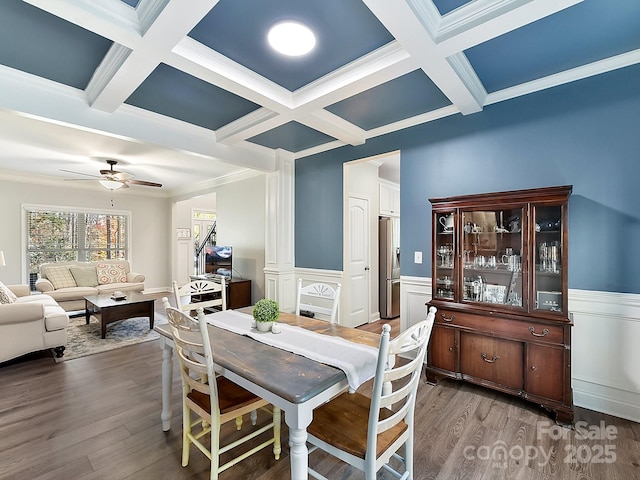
(500,287)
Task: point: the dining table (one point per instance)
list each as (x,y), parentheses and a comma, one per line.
(294,383)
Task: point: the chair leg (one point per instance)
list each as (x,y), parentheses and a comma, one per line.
(215,451)
(186,430)
(277,447)
(408,457)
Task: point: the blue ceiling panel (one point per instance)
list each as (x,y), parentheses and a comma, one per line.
(404,97)
(581,34)
(345,30)
(176,94)
(42,44)
(446,6)
(291,136)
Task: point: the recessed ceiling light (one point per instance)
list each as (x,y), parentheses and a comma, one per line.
(291,38)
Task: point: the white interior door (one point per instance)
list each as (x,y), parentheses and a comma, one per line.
(358,261)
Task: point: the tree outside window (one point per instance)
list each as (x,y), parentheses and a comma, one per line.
(60,236)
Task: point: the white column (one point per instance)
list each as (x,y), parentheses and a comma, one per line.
(279,233)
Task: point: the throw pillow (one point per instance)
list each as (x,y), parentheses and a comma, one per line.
(111,273)
(6,295)
(85,276)
(60,277)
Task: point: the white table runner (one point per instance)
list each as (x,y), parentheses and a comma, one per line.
(357,361)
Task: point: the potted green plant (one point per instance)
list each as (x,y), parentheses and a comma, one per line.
(265,312)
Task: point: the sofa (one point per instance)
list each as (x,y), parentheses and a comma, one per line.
(30,323)
(69,282)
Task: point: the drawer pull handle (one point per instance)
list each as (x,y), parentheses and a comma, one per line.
(444,317)
(493,360)
(543,334)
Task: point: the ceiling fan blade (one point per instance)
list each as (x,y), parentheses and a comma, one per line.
(142,182)
(79,173)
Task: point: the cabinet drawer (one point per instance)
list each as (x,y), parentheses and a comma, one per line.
(503,327)
(493,359)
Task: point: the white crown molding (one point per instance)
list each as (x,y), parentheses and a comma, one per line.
(561,78)
(209,186)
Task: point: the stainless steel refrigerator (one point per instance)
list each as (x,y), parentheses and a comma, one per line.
(389,266)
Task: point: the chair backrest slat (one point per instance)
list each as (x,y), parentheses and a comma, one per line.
(195,355)
(319,298)
(401,400)
(210,293)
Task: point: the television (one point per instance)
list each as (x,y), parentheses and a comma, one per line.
(219,260)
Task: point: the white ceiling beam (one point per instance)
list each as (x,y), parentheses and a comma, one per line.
(483,20)
(458,84)
(46,100)
(304,105)
(120,74)
(380,66)
(212,67)
(112,19)
(334,126)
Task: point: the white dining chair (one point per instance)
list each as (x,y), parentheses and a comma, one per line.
(200,293)
(319,299)
(367,432)
(213,399)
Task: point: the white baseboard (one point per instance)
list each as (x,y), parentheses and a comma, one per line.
(612,401)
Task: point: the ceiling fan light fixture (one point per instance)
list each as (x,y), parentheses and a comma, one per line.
(291,38)
(111,184)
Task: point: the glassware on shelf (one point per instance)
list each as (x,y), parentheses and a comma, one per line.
(549,257)
(446,254)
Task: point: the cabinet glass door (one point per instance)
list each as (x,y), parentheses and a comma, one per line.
(492,243)
(444,256)
(548,275)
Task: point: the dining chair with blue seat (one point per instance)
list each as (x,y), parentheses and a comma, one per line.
(214,399)
(368,432)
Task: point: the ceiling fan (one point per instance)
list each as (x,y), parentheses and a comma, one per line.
(113,179)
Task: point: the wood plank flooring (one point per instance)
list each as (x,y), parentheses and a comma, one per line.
(98,417)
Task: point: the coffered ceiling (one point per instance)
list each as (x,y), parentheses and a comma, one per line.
(182,92)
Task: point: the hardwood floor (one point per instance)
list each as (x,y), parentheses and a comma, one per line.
(98,417)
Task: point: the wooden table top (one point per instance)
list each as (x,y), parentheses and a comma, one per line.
(292,377)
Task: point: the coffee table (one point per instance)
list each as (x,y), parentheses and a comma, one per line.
(108,310)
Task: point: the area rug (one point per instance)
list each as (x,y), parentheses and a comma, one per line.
(83,339)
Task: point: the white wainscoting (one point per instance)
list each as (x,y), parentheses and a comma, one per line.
(605,352)
(605,346)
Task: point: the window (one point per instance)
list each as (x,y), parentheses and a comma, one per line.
(57,235)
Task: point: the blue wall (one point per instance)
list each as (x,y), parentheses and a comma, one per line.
(585,134)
